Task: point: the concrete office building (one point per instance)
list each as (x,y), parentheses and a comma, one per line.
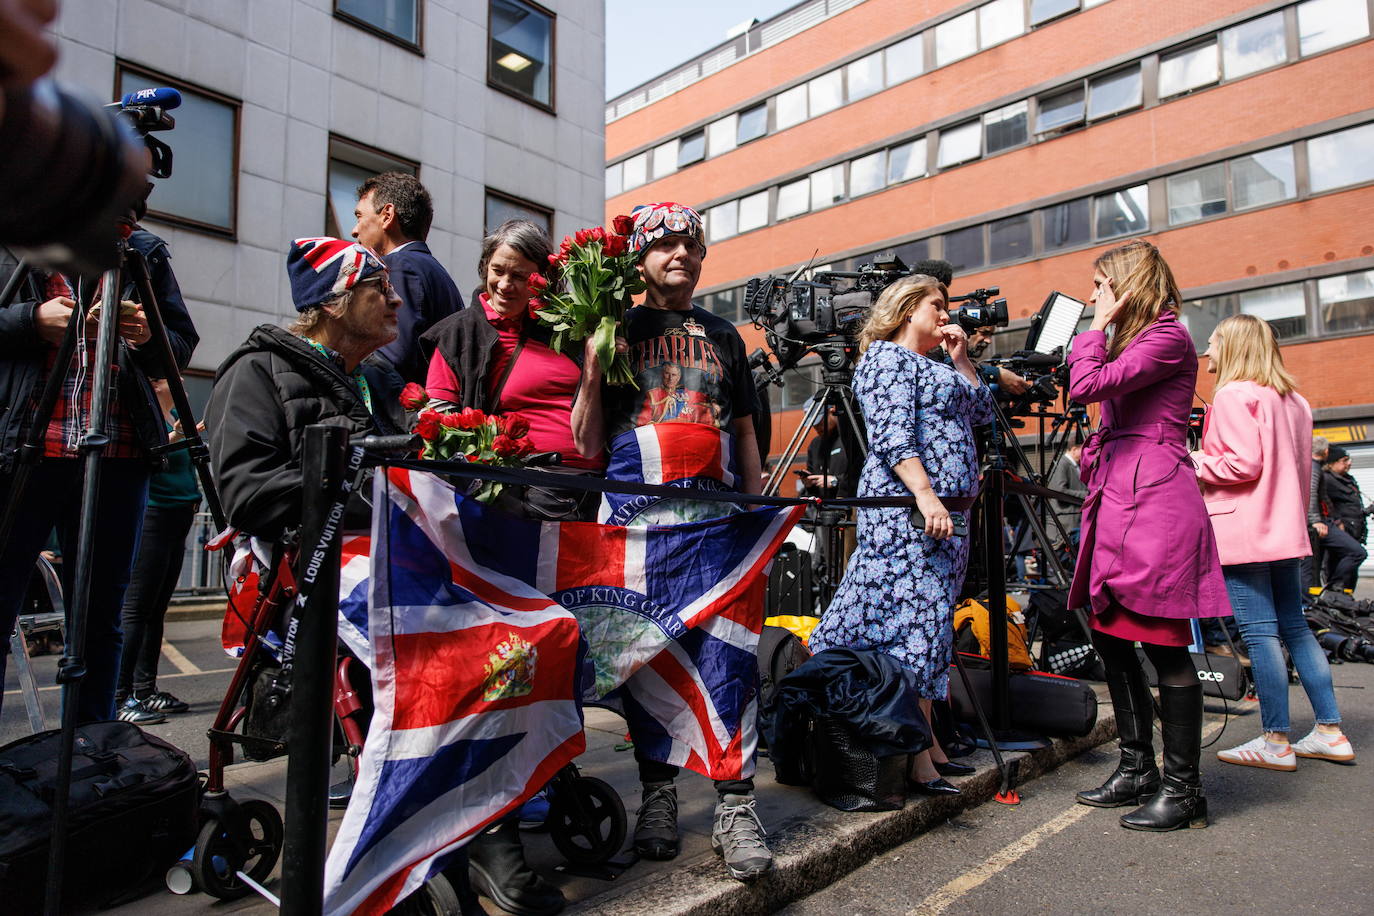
(1018,139)
(290,104)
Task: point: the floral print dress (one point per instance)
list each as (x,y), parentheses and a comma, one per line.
(900,587)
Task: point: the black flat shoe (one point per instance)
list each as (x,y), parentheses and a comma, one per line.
(950,768)
(937,786)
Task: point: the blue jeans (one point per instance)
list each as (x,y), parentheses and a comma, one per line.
(1267,601)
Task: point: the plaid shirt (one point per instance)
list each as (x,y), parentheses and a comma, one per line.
(73,408)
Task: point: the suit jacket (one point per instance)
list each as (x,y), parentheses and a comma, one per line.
(1064,477)
(428,294)
(1254,471)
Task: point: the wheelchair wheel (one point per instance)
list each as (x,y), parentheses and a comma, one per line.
(251,846)
(435,898)
(586,820)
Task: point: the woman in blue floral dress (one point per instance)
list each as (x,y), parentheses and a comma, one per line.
(901,585)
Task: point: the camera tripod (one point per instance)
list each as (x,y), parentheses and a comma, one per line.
(91,447)
(836,393)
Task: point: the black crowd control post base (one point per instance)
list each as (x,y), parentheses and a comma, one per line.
(312,681)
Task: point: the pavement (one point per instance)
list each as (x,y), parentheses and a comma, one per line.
(831,861)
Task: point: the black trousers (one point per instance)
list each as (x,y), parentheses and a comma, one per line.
(151,583)
(1342,555)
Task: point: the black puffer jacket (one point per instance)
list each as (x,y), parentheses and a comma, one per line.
(1347,505)
(266,393)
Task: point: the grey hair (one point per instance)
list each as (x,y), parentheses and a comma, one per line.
(529,241)
(310,320)
(1320,445)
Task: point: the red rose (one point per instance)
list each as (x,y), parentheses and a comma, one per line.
(413,396)
(516,426)
(526,447)
(597,234)
(623,225)
(537,283)
(451,421)
(582,237)
(505,446)
(428,427)
(471,418)
(614,246)
(555,260)
(534,306)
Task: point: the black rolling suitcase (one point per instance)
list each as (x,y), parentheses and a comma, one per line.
(133,811)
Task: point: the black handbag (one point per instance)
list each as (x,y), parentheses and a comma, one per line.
(846,774)
(132,812)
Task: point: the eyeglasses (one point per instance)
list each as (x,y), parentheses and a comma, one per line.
(384,284)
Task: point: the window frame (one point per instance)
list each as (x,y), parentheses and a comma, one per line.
(417,46)
(552,63)
(338,149)
(156,76)
(509,198)
(1214,41)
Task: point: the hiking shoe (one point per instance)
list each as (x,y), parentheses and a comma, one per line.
(1256,753)
(738,837)
(162,701)
(1318,746)
(134,712)
(656,827)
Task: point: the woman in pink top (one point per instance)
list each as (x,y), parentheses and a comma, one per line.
(1255,474)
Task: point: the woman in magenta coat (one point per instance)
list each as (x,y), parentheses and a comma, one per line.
(1256,472)
(1147,562)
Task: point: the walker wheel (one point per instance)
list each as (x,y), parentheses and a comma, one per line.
(586,820)
(251,846)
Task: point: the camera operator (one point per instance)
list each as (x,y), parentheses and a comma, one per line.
(827,464)
(31,330)
(1009,382)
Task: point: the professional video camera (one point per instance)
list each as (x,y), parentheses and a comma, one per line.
(1041,361)
(823,314)
(980,312)
(72,168)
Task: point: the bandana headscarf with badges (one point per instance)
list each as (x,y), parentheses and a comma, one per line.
(655,221)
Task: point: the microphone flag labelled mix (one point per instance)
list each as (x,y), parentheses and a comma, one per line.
(474,628)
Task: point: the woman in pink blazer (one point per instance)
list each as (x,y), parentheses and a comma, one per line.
(1147,561)
(1255,474)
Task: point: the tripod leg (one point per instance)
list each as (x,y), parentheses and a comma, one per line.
(789,454)
(985,726)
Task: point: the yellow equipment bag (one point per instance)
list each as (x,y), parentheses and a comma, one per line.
(973,615)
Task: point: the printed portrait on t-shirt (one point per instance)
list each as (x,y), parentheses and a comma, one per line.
(673,401)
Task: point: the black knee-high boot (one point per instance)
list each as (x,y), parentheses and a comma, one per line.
(1136,777)
(1179,801)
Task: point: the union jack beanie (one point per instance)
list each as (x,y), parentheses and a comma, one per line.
(655,221)
(322,268)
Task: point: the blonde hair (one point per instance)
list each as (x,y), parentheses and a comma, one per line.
(895,305)
(1246,349)
(1142,277)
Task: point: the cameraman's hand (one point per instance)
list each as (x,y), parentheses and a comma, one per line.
(1011,383)
(938,523)
(1321,529)
(820,480)
(133,325)
(50,319)
(28,50)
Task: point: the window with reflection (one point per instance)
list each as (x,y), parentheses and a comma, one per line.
(906,161)
(665,159)
(753,123)
(720,135)
(1123,212)
(1284,307)
(634,171)
(1060,111)
(904,60)
(520,56)
(398,18)
(1196,194)
(1045,10)
(1009,239)
(501,207)
(956,38)
(1346,302)
(790,107)
(827,187)
(614,180)
(913,252)
(202,190)
(722,221)
(864,76)
(1201,317)
(1000,21)
(1114,92)
(1263,178)
(959,144)
(1325,24)
(1067,224)
(1340,159)
(1253,45)
(349,166)
(753,211)
(825,93)
(964,248)
(794,198)
(691,148)
(868,173)
(1006,127)
(1186,70)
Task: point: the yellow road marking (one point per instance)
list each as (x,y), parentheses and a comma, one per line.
(182,663)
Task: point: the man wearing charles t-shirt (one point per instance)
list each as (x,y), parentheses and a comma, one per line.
(690,422)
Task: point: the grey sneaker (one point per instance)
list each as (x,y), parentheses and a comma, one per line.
(739,838)
(656,827)
(135,712)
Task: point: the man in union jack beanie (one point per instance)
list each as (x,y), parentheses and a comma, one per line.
(321,369)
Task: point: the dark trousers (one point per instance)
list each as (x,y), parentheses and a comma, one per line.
(654,771)
(1342,555)
(154,576)
(53,500)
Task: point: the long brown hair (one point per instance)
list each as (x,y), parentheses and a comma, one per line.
(1138,271)
(895,305)
(1247,350)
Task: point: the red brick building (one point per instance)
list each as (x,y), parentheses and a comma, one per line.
(1020,138)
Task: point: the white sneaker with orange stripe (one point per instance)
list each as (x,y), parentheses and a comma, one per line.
(1256,753)
(1335,748)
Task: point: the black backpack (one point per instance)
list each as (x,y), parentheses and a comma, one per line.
(780,653)
(133,811)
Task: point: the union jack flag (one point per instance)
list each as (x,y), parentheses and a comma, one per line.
(674,454)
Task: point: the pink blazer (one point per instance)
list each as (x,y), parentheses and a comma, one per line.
(1255,468)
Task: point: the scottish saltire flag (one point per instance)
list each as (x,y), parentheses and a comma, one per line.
(475,683)
(677,454)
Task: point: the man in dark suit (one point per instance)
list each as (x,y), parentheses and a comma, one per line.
(394,213)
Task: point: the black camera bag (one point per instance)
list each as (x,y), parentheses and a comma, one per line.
(133,811)
(1041,704)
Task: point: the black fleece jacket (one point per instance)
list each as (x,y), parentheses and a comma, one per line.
(266,393)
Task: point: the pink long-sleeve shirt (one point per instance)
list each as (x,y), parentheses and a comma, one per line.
(1255,471)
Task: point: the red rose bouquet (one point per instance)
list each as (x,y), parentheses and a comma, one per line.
(600,278)
(469,435)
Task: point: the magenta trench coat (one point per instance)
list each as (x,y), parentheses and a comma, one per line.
(1146,542)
